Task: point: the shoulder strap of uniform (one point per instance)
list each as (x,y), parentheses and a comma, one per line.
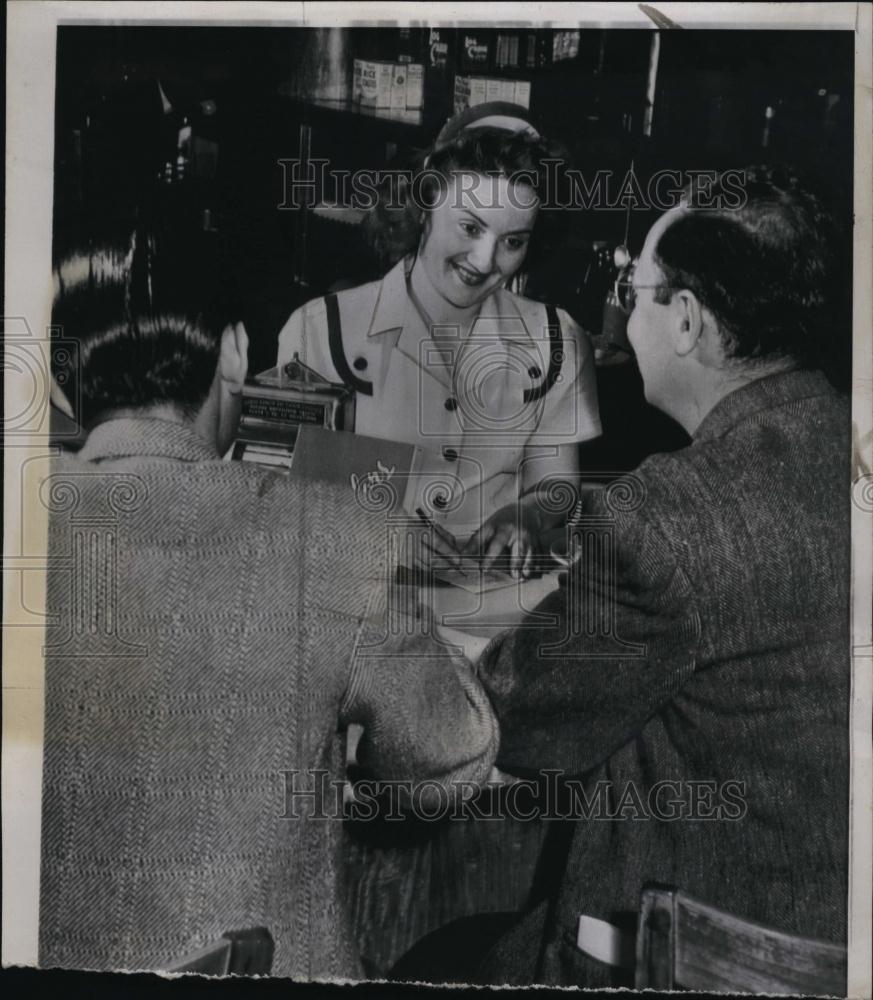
(337,353)
(556,357)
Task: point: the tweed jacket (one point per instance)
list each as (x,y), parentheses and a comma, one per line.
(715,659)
(201,660)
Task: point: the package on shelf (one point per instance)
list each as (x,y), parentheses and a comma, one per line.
(462,94)
(469,91)
(494,90)
(522,93)
(565,45)
(398,87)
(385,83)
(472,90)
(478,91)
(388,85)
(372,83)
(506,52)
(414,85)
(358,82)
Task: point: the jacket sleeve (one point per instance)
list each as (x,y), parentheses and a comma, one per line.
(424,714)
(625,639)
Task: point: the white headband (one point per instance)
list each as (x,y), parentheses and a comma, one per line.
(507,122)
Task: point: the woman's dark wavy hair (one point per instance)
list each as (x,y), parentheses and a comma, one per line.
(767,269)
(141,335)
(394,225)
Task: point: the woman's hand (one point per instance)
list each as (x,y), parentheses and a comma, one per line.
(439,548)
(516,529)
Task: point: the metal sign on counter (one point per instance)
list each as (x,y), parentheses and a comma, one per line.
(276,403)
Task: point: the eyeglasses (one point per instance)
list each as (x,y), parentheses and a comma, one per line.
(626,290)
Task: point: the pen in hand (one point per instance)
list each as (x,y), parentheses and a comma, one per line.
(449,547)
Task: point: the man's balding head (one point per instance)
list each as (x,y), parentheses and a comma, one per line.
(765,270)
(726,295)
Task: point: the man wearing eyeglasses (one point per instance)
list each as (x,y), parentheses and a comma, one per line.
(694,698)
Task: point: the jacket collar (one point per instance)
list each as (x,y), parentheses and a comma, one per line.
(762,394)
(126,437)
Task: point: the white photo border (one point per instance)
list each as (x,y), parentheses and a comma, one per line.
(30,97)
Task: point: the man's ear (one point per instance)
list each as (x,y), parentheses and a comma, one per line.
(689,321)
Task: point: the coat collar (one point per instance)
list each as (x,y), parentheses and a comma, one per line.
(126,437)
(762,394)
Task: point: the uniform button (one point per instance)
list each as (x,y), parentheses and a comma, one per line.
(450,455)
(359,364)
(534,372)
(451,404)
(440,501)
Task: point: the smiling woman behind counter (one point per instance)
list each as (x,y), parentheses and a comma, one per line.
(497,389)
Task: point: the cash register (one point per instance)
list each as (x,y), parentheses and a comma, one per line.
(281,400)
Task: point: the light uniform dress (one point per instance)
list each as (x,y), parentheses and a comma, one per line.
(521,384)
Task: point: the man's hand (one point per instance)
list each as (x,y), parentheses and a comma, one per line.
(233,362)
(233,366)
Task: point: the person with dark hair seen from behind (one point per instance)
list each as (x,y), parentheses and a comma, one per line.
(209,645)
(498,389)
(717,660)
(176,366)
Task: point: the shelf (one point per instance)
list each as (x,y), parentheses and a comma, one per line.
(403,116)
(415,125)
